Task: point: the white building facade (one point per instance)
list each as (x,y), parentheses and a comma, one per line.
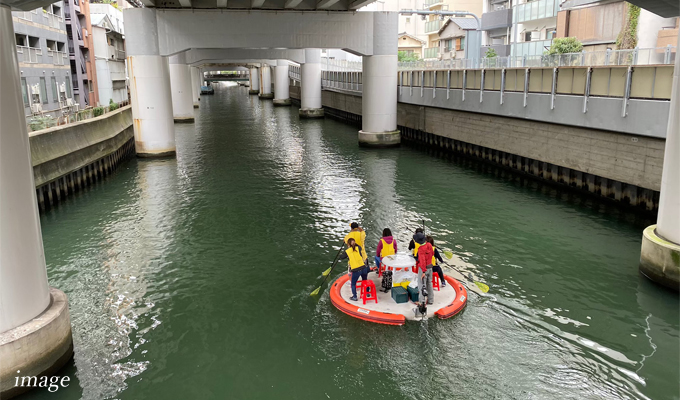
(109,53)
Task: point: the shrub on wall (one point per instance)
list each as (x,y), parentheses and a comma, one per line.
(627,38)
(41,122)
(565,45)
(112,105)
(98,111)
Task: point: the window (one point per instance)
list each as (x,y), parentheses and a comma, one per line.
(68,87)
(20,39)
(55,89)
(43,91)
(462,43)
(527,36)
(89,86)
(408,20)
(550,34)
(24,92)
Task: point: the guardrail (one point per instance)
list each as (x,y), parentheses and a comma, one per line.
(631,57)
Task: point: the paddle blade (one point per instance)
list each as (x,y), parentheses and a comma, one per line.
(483,287)
(326,272)
(448,254)
(315,292)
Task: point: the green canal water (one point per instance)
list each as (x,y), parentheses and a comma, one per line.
(189,277)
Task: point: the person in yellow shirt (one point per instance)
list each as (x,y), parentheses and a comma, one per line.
(358,266)
(358,234)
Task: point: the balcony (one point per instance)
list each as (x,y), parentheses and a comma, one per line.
(534,10)
(430,3)
(58,57)
(535,48)
(117,75)
(431,52)
(433,26)
(54,21)
(29,54)
(497,19)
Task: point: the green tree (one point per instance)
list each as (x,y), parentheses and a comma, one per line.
(565,45)
(407,57)
(491,53)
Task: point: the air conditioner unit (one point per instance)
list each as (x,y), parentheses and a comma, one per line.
(36,108)
(35,89)
(535,35)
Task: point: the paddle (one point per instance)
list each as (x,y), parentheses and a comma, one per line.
(326,275)
(328,271)
(482,286)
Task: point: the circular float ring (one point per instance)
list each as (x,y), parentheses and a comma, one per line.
(457,304)
(357,311)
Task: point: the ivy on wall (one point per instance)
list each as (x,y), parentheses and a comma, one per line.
(627,38)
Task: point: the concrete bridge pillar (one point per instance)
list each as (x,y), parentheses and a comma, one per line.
(35,325)
(180,84)
(281,89)
(254,81)
(379,99)
(149,85)
(660,254)
(266,82)
(310,85)
(195,87)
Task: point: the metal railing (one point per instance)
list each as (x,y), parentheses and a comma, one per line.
(533,10)
(58,57)
(653,56)
(330,64)
(429,3)
(431,52)
(28,54)
(54,21)
(433,26)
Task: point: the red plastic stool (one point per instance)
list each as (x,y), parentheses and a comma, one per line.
(366,294)
(435,281)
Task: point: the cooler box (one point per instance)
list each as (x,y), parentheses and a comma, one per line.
(413,293)
(399,294)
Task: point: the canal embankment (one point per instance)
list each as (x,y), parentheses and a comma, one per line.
(66,159)
(618,166)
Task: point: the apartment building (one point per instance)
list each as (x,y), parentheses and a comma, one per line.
(41,43)
(109,52)
(519,27)
(80,45)
(598,24)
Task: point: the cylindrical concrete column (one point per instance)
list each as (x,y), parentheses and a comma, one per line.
(180,84)
(254,81)
(266,82)
(660,253)
(35,328)
(310,85)
(195,87)
(379,82)
(149,85)
(281,89)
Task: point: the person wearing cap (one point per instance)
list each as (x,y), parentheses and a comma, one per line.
(417,241)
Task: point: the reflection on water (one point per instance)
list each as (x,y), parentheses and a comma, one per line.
(189,277)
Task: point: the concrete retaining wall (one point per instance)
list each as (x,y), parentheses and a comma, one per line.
(619,166)
(68,158)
